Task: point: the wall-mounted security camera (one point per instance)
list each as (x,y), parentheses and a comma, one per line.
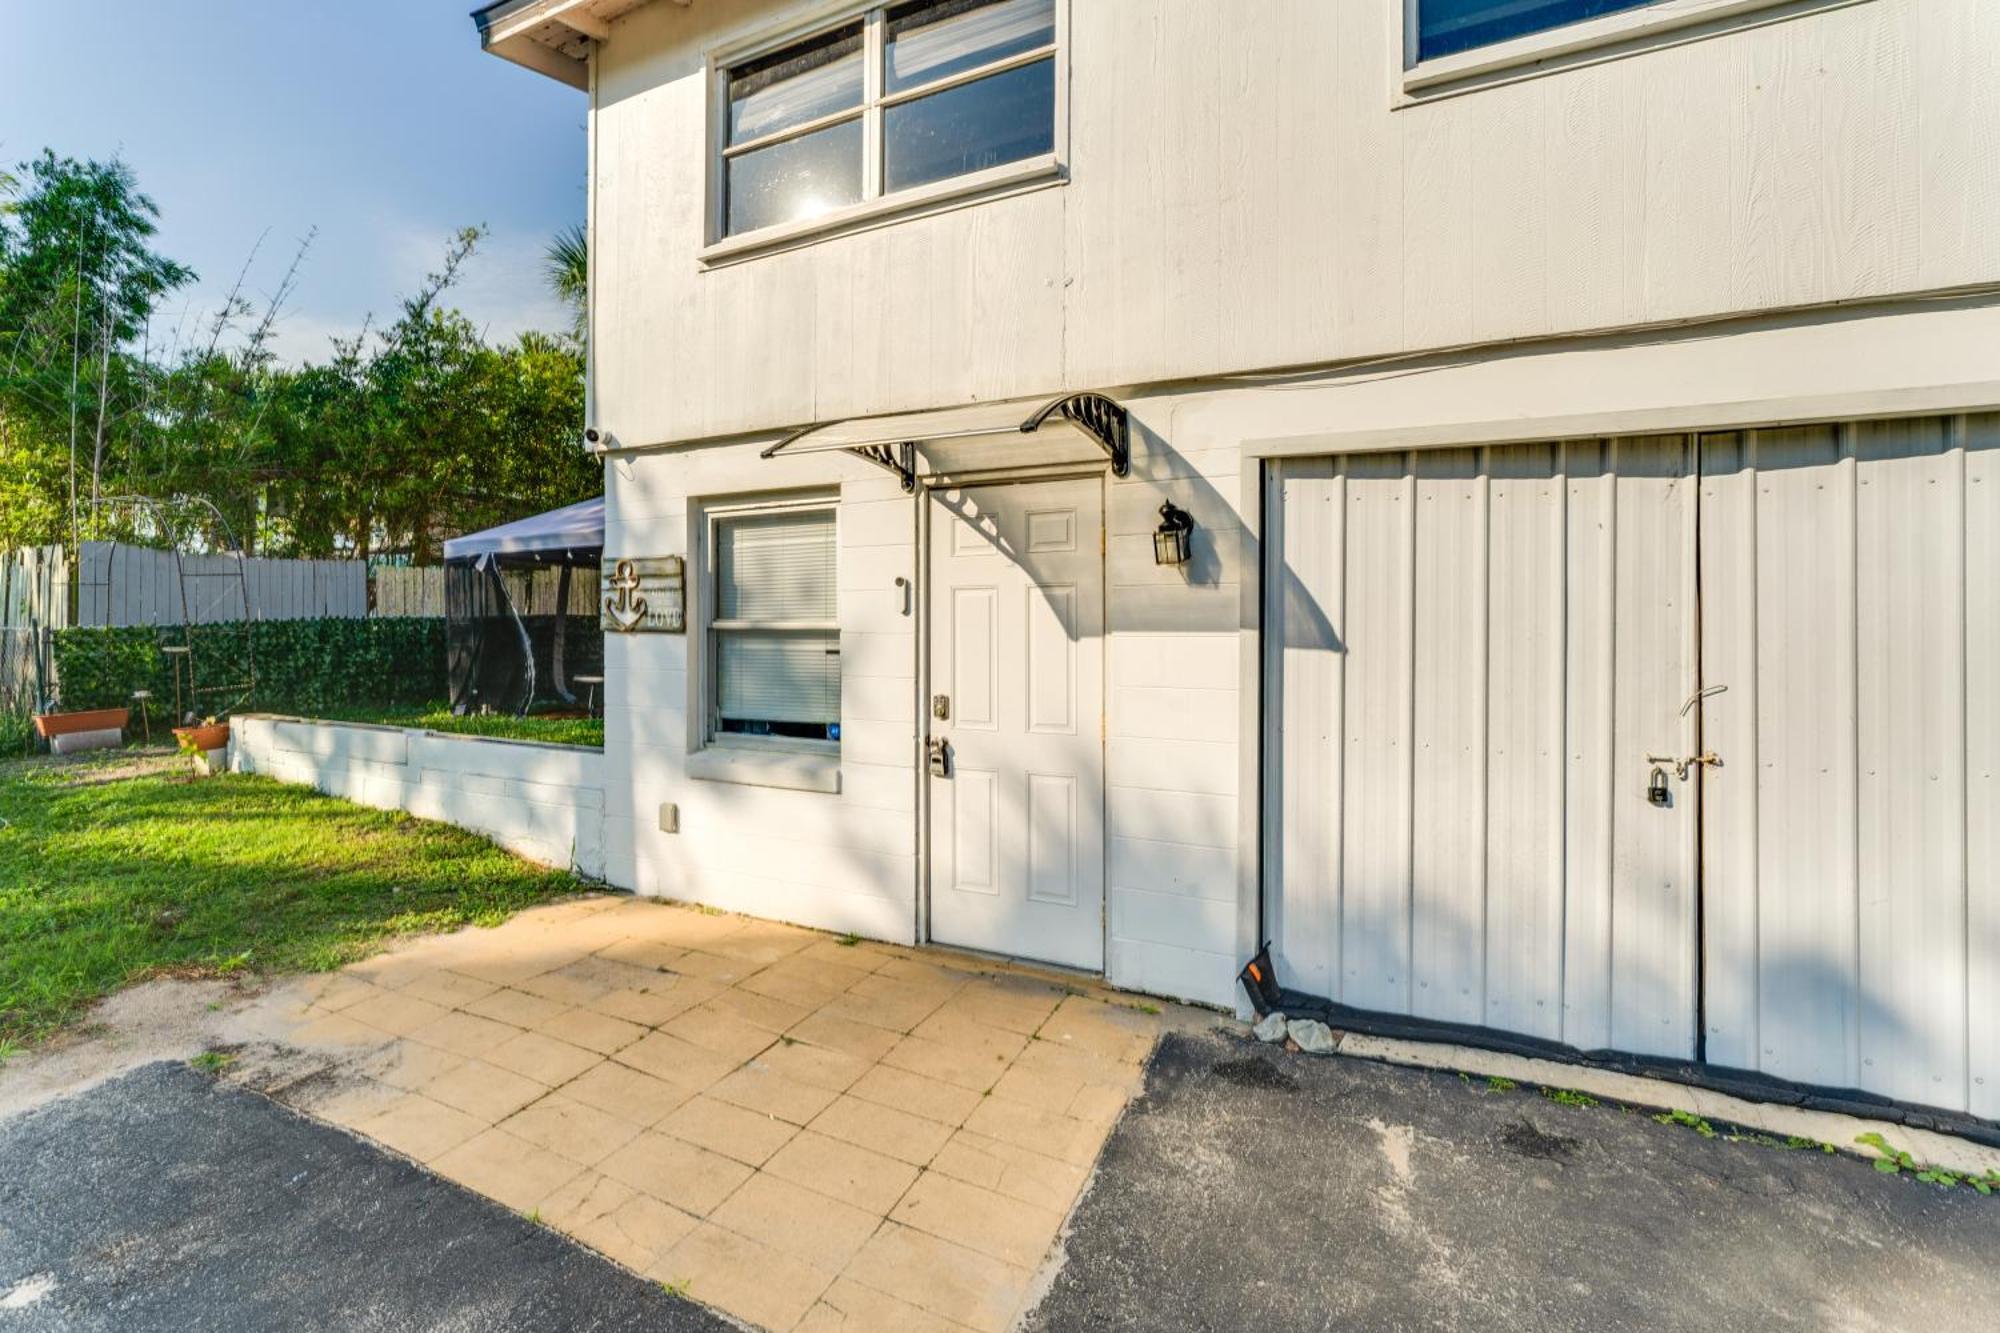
(593,436)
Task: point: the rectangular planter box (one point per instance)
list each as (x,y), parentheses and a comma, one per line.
(51,725)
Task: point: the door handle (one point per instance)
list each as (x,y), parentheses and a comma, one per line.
(1701,694)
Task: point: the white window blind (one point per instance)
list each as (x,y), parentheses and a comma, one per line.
(776,631)
(775,566)
(779,678)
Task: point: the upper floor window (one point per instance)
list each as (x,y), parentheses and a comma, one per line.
(902,96)
(1446,27)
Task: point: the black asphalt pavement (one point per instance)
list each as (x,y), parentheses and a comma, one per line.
(1254,1191)
(163,1201)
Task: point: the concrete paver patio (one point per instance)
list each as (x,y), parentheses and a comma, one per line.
(802,1131)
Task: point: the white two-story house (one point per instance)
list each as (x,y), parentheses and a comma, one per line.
(1500,498)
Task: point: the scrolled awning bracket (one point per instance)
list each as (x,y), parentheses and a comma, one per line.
(1105,421)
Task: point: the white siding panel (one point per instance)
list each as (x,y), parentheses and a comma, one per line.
(1173,867)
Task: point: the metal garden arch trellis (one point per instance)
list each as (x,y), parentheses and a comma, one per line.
(177,521)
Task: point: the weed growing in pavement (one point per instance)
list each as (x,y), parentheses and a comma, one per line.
(1494,1083)
(1569,1097)
(848,941)
(1690,1119)
(213,1062)
(1894,1161)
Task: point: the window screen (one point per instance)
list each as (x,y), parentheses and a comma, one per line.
(775,632)
(1445,27)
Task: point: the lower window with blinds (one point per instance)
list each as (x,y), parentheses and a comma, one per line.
(774,628)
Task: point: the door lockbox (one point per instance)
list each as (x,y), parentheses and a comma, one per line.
(939,751)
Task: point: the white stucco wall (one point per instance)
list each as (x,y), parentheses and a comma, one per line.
(545,802)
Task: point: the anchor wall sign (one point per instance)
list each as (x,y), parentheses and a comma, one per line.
(647,596)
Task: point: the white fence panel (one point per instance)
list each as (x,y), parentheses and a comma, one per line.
(119,585)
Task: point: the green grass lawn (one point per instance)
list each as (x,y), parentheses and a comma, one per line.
(438,717)
(107,879)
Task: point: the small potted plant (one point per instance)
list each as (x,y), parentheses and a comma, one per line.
(202,743)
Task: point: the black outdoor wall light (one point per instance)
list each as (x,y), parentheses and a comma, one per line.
(1171,544)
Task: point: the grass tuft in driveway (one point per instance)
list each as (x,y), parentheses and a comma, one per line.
(107,879)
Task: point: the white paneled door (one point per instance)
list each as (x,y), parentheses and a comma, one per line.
(1015,720)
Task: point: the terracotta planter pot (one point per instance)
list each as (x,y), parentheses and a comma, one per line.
(213,736)
(50,725)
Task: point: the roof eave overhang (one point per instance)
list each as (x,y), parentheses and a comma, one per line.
(552,37)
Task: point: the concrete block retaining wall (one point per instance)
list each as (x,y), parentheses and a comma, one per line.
(545,802)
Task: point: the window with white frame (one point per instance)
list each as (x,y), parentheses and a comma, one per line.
(900,96)
(774,628)
(1446,27)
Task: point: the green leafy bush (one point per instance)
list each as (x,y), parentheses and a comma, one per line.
(301,666)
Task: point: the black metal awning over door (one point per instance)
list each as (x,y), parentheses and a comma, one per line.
(890,442)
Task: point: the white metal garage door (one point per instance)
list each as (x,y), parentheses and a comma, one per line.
(1477,658)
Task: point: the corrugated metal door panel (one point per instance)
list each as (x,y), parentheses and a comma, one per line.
(1447,621)
(1851,602)
(1982,795)
(1308,528)
(1653,951)
(1448,859)
(1376,813)
(1594,765)
(1910,620)
(1779,818)
(1524,704)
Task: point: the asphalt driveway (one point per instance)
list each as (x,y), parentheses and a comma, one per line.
(1248,1189)
(165,1201)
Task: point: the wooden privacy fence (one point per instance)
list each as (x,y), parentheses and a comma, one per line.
(119,585)
(34,599)
(420,592)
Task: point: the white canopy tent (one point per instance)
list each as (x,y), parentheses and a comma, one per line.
(572,534)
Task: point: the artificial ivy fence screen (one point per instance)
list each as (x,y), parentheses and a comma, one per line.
(302,666)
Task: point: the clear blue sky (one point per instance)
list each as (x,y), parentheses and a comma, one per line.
(379,121)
